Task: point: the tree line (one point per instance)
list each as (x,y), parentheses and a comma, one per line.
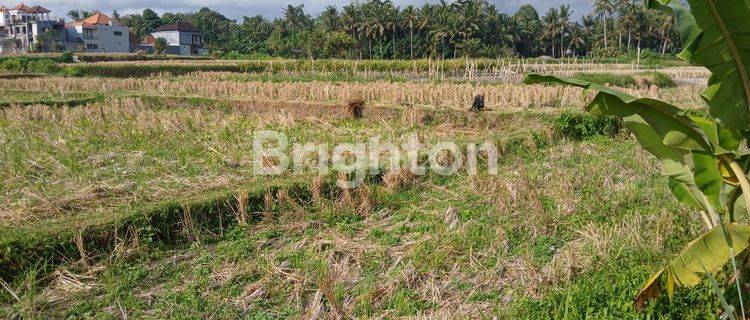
(378,29)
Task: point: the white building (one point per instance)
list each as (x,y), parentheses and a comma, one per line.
(97,33)
(183,38)
(22,26)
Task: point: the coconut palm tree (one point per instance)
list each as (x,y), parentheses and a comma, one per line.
(351,19)
(442,28)
(563,24)
(602,9)
(666,25)
(393,23)
(329,18)
(577,39)
(550,27)
(410,17)
(469,18)
(630,21)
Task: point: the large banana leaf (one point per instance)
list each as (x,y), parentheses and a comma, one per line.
(708,178)
(722,139)
(716,35)
(709,253)
(669,122)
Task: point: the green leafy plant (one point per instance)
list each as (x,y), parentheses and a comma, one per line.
(581,126)
(705,159)
(160,46)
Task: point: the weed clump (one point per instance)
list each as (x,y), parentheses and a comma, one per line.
(649,79)
(638,80)
(578,126)
(355,108)
(619,80)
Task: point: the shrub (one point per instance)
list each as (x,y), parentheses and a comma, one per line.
(620,80)
(74,71)
(160,46)
(24,64)
(66,57)
(15,64)
(646,79)
(42,66)
(579,126)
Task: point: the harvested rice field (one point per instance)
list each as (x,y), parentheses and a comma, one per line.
(144,195)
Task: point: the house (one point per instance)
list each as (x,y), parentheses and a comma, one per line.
(146,45)
(182,38)
(97,33)
(21,27)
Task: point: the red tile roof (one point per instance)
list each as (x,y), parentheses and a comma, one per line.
(20,6)
(94,20)
(97,18)
(38,9)
(148,39)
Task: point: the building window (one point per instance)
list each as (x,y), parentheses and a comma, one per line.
(88,34)
(118,33)
(92,46)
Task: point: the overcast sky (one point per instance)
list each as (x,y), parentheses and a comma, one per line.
(236,9)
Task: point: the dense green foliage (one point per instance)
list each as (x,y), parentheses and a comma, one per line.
(579,126)
(378,29)
(620,80)
(24,64)
(644,79)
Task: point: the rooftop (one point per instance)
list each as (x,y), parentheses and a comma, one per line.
(20,6)
(148,39)
(38,9)
(179,26)
(97,19)
(24,8)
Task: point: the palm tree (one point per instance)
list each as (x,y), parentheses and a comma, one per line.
(330,18)
(563,23)
(620,5)
(375,25)
(666,22)
(408,18)
(424,17)
(443,28)
(550,27)
(629,15)
(468,19)
(351,19)
(577,38)
(393,23)
(602,7)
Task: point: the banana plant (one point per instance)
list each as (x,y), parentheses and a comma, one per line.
(706,159)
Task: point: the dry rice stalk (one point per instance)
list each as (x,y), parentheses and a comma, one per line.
(9,289)
(413,116)
(366,203)
(240,213)
(346,199)
(315,306)
(326,284)
(188,226)
(81,250)
(267,201)
(317,190)
(286,201)
(451,218)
